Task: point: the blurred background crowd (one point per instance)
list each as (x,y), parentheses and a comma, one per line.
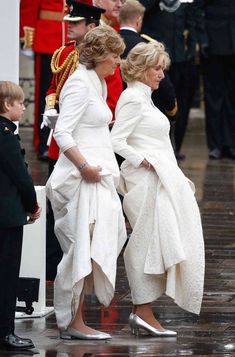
(199,36)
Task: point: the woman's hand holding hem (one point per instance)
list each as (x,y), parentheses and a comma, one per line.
(146,165)
(91,173)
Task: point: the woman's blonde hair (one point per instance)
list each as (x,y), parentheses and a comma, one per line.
(98,44)
(142,57)
(9,92)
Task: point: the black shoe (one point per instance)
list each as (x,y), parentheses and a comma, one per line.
(215,154)
(179,156)
(43,156)
(14,342)
(23,338)
(229,153)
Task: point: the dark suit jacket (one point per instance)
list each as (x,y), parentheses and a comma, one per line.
(17,193)
(169,27)
(216,25)
(164,98)
(131,39)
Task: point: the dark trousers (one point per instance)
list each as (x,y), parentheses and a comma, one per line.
(185,78)
(10,257)
(53,250)
(43,76)
(219,91)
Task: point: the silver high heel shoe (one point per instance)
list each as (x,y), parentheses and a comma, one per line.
(131,316)
(73,334)
(137,323)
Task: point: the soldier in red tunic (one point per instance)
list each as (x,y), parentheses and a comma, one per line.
(43,31)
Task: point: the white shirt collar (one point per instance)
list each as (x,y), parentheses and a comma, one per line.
(128,28)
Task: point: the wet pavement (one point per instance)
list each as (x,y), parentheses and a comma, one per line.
(210,334)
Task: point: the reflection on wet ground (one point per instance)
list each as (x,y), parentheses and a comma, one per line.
(211,334)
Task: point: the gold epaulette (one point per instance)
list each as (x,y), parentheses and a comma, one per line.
(148,38)
(55,60)
(102,22)
(28,38)
(173,111)
(72,57)
(64,70)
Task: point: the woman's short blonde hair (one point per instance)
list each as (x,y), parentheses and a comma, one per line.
(98,44)
(9,92)
(142,57)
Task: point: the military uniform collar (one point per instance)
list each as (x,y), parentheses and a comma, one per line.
(7,124)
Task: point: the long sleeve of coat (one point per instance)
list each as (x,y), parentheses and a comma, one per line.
(73,103)
(128,115)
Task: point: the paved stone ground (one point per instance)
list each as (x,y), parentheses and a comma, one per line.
(210,334)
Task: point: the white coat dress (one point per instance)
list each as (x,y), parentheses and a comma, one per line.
(165,253)
(88,217)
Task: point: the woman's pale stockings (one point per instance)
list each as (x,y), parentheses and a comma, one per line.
(78,323)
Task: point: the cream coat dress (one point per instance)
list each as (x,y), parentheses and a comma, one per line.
(88,217)
(165,253)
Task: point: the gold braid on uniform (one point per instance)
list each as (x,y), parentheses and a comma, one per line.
(148,38)
(173,111)
(66,68)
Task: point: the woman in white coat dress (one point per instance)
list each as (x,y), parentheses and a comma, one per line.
(82,188)
(165,253)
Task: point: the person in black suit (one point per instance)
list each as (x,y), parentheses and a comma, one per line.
(216,30)
(17,201)
(131,18)
(172,23)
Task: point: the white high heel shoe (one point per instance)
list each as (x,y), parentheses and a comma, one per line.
(137,323)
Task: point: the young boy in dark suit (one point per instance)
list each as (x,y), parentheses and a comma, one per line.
(18,206)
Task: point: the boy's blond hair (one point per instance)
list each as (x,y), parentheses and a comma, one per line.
(130,10)
(9,92)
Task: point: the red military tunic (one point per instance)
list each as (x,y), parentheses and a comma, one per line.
(42,30)
(44,18)
(114,82)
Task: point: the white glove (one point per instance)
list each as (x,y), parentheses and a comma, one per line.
(50,117)
(27,52)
